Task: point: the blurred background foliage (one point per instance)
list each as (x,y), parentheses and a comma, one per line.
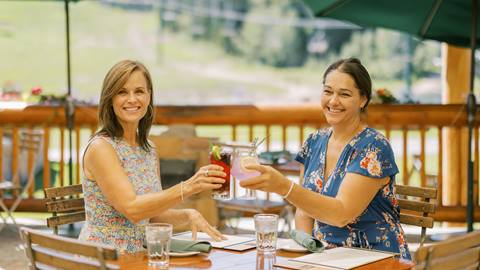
(247,50)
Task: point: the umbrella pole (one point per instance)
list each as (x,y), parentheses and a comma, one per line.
(69,105)
(471,111)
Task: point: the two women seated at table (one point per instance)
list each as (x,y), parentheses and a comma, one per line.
(348,171)
(121,182)
(348,193)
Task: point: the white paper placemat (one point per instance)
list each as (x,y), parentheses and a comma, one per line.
(231,239)
(343,258)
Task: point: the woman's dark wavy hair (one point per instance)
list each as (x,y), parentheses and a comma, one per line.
(115,79)
(354,68)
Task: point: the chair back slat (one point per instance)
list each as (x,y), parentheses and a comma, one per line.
(55,192)
(67,253)
(46,260)
(422,192)
(462,261)
(417,206)
(416,220)
(65,219)
(65,205)
(457,253)
(445,248)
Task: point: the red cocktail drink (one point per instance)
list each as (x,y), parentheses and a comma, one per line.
(221,158)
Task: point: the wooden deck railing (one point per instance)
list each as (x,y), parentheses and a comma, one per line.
(405,125)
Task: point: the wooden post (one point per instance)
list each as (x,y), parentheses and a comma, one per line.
(455,80)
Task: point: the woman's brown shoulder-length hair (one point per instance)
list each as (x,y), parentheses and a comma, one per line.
(115,79)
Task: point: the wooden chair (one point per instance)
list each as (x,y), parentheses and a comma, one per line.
(415,211)
(180,143)
(456,253)
(66,205)
(30,142)
(47,251)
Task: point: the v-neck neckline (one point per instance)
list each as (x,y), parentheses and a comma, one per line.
(324,176)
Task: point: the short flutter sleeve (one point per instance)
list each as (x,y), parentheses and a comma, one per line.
(305,150)
(373,159)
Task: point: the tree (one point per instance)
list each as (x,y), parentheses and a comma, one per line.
(271,43)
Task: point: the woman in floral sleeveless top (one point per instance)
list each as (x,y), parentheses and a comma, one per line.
(348,171)
(121,186)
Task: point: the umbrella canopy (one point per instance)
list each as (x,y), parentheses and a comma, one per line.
(448,20)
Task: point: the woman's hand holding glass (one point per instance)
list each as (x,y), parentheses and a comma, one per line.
(207,178)
(269,180)
(198,223)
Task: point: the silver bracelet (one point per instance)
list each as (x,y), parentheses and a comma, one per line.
(289,190)
(181,190)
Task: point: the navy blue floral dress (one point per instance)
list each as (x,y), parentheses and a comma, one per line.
(368,153)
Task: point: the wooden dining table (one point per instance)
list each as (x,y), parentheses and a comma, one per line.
(235,260)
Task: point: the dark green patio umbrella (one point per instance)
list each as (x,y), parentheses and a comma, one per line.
(443,20)
(451,21)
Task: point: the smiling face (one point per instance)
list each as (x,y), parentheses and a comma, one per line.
(341,100)
(131,102)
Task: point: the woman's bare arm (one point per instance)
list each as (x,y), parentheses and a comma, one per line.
(355,194)
(102,165)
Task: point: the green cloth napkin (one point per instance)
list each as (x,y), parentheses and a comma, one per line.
(307,241)
(180,246)
(177,245)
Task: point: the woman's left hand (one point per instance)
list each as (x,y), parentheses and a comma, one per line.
(198,223)
(269,180)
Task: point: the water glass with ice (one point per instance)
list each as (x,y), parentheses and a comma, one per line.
(158,237)
(265,261)
(266,227)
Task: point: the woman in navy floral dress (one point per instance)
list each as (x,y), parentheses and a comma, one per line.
(348,171)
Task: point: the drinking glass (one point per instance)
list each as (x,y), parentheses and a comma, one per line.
(265,261)
(241,158)
(158,237)
(222,159)
(266,227)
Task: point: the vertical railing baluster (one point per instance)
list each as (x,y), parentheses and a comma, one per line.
(460,166)
(405,156)
(234,133)
(301,135)
(268,139)
(15,157)
(61,170)
(77,155)
(440,163)
(46,163)
(250,132)
(475,167)
(1,155)
(28,144)
(423,176)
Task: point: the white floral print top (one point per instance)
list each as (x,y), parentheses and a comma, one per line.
(104,224)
